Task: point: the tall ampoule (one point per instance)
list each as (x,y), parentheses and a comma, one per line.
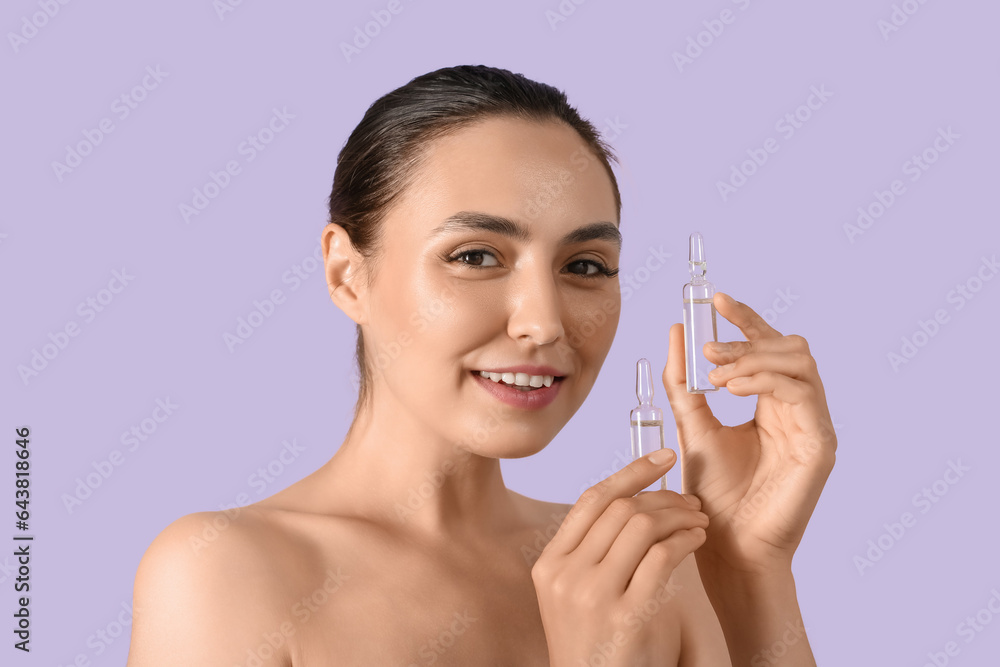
(646,421)
(699,319)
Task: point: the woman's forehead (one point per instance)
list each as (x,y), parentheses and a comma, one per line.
(530,171)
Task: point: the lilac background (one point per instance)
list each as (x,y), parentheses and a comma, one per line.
(678,132)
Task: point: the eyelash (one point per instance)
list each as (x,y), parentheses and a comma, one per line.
(602,271)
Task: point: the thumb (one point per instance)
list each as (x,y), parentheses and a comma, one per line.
(691,412)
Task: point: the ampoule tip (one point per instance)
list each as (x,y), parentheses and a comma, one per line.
(644,382)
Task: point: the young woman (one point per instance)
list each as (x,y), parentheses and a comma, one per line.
(473,239)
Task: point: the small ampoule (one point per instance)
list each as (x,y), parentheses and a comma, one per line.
(699,319)
(646,420)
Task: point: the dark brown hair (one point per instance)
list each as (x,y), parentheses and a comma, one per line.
(382,156)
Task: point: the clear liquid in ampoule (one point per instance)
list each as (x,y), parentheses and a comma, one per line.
(648,436)
(646,420)
(699,318)
(699,323)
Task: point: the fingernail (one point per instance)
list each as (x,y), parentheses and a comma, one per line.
(738,381)
(728,299)
(662,456)
(693,500)
(718,347)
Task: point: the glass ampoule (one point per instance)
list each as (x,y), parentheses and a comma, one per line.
(646,420)
(699,319)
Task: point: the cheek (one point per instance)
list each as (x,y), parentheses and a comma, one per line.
(592,324)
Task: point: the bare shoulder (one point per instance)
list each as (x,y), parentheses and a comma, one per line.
(206,592)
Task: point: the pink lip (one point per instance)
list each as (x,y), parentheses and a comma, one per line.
(528,400)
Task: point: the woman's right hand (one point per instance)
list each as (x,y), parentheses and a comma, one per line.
(612,554)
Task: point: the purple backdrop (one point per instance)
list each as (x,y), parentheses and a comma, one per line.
(838,157)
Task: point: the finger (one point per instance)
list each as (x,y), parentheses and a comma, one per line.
(628,481)
(691,412)
(782,387)
(659,563)
(809,415)
(606,530)
(726,352)
(744,317)
(639,535)
(795,365)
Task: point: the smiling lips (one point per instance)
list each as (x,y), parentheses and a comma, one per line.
(520,390)
(519,379)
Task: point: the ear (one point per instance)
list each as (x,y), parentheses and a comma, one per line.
(343,272)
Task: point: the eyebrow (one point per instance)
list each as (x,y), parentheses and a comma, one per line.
(498,224)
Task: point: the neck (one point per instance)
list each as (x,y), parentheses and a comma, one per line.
(396,470)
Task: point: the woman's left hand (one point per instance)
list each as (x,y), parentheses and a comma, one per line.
(759,481)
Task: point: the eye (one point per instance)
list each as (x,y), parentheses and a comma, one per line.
(477,255)
(474,258)
(599,269)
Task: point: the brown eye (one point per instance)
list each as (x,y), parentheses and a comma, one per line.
(475,258)
(599,269)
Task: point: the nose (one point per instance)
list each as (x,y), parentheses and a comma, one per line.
(536,313)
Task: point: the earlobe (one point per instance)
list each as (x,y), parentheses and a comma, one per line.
(342,266)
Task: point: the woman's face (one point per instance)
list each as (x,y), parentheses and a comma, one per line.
(493,259)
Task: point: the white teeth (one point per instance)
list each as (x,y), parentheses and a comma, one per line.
(520,379)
